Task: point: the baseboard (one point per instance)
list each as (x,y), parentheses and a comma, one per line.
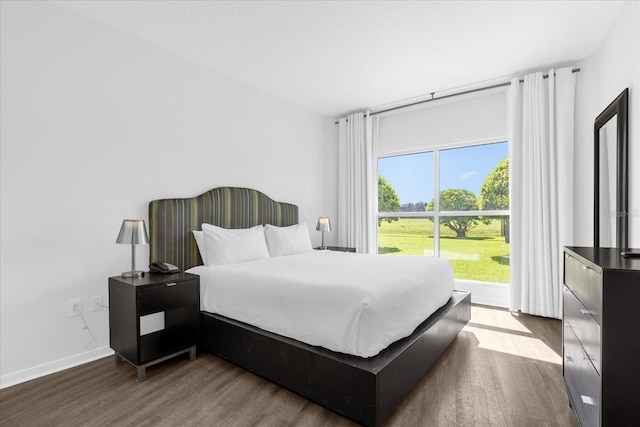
(28,374)
(493,294)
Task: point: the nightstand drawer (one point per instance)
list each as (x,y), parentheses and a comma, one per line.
(166,296)
(586,329)
(586,284)
(582,380)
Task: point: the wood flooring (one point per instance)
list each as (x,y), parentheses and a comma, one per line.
(504,369)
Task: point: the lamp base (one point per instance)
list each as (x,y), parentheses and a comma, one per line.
(136,273)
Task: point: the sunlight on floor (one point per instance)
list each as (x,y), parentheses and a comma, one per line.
(488,316)
(501,331)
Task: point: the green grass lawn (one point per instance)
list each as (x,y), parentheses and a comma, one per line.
(483,255)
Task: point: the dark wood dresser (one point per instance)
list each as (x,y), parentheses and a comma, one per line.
(601,336)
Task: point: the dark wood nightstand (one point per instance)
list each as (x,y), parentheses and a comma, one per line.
(178,295)
(336,248)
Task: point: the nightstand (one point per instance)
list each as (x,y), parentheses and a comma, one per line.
(177,295)
(336,248)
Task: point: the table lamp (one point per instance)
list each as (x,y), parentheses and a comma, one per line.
(133,232)
(323,225)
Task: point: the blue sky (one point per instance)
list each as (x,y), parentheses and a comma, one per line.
(412,177)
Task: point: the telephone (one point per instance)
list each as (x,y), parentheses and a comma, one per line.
(163,268)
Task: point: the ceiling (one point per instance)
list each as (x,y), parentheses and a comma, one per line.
(336,57)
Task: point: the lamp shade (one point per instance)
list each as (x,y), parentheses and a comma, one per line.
(133,232)
(323,224)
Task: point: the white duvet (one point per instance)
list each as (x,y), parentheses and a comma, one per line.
(349,303)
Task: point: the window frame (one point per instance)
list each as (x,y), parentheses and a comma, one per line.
(436,214)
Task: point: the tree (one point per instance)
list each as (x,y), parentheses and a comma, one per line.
(388,200)
(455,199)
(494,192)
(413,207)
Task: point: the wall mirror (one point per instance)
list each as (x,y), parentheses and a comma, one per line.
(611,178)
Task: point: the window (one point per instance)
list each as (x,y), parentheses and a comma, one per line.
(471,210)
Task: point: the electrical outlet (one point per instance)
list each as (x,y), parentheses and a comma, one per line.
(74,307)
(96,303)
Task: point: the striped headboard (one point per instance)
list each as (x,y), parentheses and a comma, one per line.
(171,221)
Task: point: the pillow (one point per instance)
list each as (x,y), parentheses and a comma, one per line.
(288,240)
(199,236)
(227,246)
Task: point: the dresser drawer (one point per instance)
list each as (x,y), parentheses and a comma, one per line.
(166,296)
(586,284)
(582,381)
(584,326)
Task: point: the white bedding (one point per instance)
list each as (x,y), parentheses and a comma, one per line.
(349,303)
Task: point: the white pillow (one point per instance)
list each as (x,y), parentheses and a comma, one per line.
(199,236)
(288,240)
(226,246)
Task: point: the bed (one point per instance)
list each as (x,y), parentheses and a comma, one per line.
(363,389)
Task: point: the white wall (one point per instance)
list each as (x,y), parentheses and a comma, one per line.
(604,75)
(94,125)
(331,181)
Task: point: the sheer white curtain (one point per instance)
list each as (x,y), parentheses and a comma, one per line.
(357,182)
(541,117)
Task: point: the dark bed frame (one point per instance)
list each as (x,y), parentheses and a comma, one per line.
(363,390)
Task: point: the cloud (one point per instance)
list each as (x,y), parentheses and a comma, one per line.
(467,175)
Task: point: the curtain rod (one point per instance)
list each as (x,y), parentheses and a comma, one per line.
(575,70)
